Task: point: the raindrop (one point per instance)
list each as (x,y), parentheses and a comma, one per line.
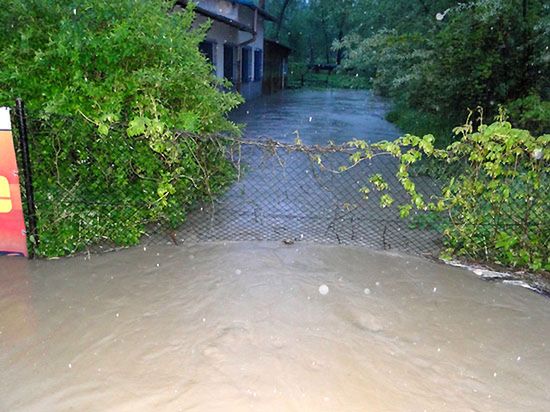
(367,291)
(441,16)
(323,290)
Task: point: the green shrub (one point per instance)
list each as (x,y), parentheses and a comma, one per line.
(107,84)
(301,76)
(531,113)
(480,53)
(495,207)
(417,122)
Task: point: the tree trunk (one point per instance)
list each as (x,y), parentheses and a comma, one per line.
(340,52)
(280,19)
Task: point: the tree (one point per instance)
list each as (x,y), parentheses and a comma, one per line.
(444,57)
(280,18)
(108,85)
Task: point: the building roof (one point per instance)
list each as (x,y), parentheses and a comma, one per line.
(274,43)
(252,5)
(215,16)
(231,22)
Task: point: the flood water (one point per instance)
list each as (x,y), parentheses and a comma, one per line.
(244,327)
(317,116)
(283,195)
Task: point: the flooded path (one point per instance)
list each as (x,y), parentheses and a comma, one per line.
(319,116)
(244,327)
(285,195)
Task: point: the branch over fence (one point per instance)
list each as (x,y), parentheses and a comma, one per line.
(483,198)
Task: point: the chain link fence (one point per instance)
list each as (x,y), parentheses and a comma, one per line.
(95,194)
(276,192)
(294,193)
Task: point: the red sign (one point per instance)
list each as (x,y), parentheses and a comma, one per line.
(13,238)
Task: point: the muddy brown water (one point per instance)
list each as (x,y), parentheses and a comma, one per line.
(244,327)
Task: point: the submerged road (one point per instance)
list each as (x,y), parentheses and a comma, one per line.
(319,116)
(285,196)
(265,327)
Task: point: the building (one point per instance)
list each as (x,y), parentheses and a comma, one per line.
(275,66)
(235,42)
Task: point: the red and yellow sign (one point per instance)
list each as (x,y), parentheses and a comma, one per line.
(13,237)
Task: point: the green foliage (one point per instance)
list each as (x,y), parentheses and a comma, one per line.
(531,113)
(301,76)
(391,58)
(428,221)
(107,85)
(477,53)
(311,26)
(420,123)
(495,209)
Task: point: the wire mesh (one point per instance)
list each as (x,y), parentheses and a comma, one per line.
(93,193)
(286,195)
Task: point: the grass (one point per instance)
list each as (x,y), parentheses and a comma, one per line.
(419,123)
(325,80)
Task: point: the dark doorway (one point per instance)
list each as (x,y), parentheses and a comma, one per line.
(207,48)
(229,62)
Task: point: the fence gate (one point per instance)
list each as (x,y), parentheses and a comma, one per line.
(293,193)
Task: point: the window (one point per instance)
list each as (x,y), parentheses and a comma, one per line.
(229,62)
(258,64)
(246,63)
(208,49)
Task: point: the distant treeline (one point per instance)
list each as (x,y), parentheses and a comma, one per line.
(436,59)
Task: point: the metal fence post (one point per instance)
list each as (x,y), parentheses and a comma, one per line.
(25,157)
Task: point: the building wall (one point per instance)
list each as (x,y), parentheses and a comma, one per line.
(251,89)
(221,34)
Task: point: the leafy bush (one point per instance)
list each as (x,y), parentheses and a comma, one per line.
(480,53)
(531,113)
(417,122)
(302,76)
(392,59)
(495,209)
(107,84)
